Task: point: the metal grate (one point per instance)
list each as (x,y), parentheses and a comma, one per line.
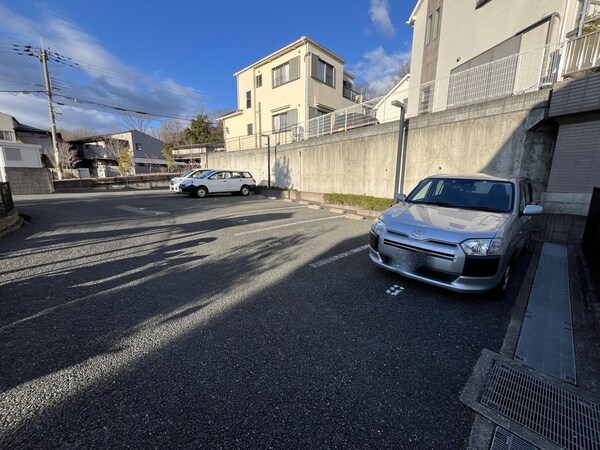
(503,440)
(560,416)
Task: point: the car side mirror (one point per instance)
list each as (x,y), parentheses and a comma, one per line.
(400,197)
(533,210)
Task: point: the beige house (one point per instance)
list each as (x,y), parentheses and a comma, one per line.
(280,93)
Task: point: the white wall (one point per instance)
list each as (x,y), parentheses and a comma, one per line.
(20,155)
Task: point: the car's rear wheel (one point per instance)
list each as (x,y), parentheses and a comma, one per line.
(245,190)
(201,191)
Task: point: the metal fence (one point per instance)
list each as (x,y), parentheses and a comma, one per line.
(582,53)
(352,117)
(6,200)
(515,74)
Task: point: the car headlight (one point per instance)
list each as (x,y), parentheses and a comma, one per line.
(482,247)
(378,227)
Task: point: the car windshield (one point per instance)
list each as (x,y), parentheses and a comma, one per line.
(207,174)
(484,195)
(185,174)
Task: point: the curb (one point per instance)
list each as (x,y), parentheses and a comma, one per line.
(355,214)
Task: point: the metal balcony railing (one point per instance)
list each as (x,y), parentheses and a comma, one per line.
(582,53)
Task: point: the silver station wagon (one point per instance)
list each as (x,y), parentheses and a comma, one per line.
(459,232)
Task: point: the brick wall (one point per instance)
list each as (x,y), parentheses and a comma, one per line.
(28,180)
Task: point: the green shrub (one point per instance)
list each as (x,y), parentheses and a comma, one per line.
(359,201)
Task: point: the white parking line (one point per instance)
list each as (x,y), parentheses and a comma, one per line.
(288,225)
(340,256)
(262,211)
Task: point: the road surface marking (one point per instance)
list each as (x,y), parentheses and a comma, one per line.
(395,290)
(288,225)
(340,256)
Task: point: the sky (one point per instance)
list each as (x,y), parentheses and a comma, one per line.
(175,59)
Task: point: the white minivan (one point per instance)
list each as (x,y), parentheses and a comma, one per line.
(193,173)
(219,181)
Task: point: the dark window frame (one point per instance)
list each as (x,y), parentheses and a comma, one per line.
(325,73)
(4,134)
(282,78)
(259,80)
(248,99)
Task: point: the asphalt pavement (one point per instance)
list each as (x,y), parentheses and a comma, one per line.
(150,319)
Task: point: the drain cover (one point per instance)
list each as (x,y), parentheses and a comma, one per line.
(503,440)
(533,405)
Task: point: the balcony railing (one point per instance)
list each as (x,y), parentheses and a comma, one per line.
(582,53)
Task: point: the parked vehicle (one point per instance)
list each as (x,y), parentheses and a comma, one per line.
(218,181)
(193,173)
(459,232)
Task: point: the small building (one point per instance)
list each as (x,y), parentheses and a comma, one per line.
(196,155)
(11,130)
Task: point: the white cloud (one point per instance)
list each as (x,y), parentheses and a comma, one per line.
(378,69)
(100,78)
(379,12)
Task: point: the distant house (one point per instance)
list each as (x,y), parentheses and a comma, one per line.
(11,130)
(100,154)
(385,111)
(282,91)
(21,157)
(196,155)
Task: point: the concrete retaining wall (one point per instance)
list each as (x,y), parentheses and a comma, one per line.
(493,137)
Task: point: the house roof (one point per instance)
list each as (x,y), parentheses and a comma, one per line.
(282,51)
(18,126)
(405,79)
(413,14)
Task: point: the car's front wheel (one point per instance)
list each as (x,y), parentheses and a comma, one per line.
(245,190)
(501,287)
(201,191)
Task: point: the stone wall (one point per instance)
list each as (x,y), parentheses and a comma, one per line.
(28,180)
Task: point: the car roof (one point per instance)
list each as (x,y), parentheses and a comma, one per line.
(475,176)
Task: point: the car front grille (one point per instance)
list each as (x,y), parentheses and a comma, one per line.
(436,253)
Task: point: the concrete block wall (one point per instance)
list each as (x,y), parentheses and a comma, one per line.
(28,180)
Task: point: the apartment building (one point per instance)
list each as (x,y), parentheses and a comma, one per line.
(282,91)
(474,50)
(468,52)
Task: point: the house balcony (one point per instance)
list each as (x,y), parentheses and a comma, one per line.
(352,95)
(582,55)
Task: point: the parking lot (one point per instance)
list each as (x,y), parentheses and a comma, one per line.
(154,319)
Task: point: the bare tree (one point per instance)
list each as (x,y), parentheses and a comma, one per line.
(113,147)
(67,154)
(365,90)
(369,92)
(170,132)
(137,121)
(402,70)
(77,134)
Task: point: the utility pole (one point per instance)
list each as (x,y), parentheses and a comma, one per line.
(44,58)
